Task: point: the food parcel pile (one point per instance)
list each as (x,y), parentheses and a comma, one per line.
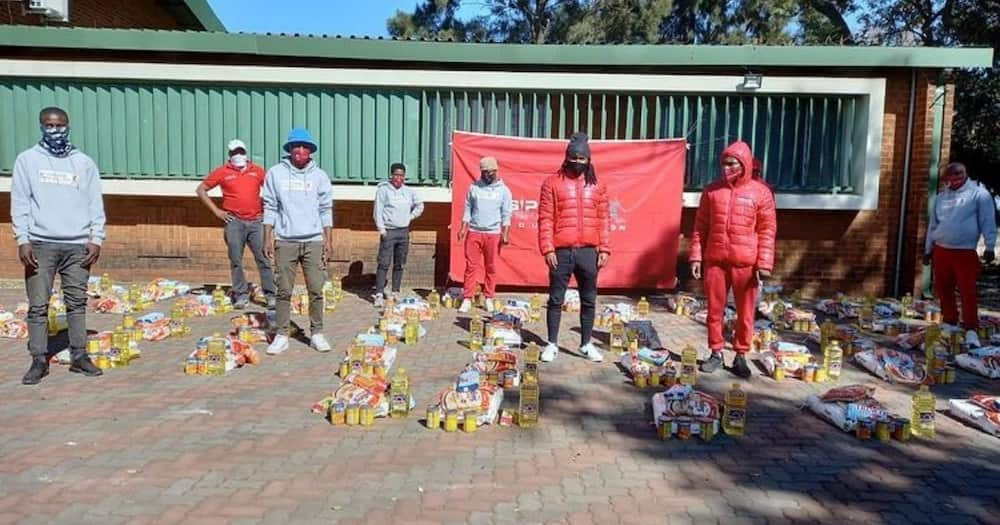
(120,299)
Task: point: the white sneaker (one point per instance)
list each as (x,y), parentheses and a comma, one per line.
(592,352)
(466,306)
(63,357)
(378,300)
(279,345)
(549,353)
(972,339)
(319,343)
(490,305)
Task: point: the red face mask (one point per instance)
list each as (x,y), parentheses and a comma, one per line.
(300,156)
(955,182)
(397,180)
(732,172)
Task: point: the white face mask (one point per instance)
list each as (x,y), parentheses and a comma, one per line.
(240,161)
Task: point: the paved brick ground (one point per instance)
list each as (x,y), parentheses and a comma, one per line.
(147,444)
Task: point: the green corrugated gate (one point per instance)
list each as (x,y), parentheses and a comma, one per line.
(179,130)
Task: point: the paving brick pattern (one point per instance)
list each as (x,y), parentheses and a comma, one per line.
(147,444)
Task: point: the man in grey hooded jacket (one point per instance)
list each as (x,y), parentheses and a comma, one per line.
(396,205)
(57,212)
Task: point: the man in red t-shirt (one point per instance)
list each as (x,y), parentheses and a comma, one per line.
(242,210)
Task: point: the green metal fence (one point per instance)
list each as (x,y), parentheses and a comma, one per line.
(179,130)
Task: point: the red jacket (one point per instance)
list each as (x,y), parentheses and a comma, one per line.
(572,214)
(736,223)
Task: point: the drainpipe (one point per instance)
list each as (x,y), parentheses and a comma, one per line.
(904,200)
(940,96)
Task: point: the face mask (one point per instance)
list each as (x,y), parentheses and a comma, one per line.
(955,183)
(397,182)
(488,178)
(56,140)
(576,167)
(731,173)
(239,161)
(300,157)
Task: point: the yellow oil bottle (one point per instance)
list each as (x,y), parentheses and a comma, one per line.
(923,413)
(689,366)
(216,350)
(536,308)
(476,333)
(411,331)
(532,355)
(329,297)
(617,336)
(642,308)
(356,358)
(778,315)
(734,417)
(833,360)
(399,394)
(906,306)
(53,322)
(434,301)
(528,406)
(120,345)
(105,284)
(826,331)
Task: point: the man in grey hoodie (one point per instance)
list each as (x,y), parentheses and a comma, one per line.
(485,226)
(963,212)
(58,216)
(396,204)
(298,230)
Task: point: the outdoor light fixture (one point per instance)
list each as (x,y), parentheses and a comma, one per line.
(753,81)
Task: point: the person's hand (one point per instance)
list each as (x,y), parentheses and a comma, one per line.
(551,260)
(505,239)
(461,234)
(696,270)
(224,216)
(327,252)
(602,259)
(927,259)
(988,256)
(93,253)
(762,275)
(27,256)
(381,233)
(269,249)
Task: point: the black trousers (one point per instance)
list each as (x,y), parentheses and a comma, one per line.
(581,263)
(392,249)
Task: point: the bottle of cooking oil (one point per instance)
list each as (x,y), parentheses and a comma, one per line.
(434,301)
(177,312)
(476,333)
(120,345)
(906,306)
(527,416)
(797,296)
(531,359)
(390,304)
(833,360)
(536,307)
(642,309)
(399,394)
(778,315)
(923,413)
(216,349)
(105,284)
(617,336)
(866,319)
(734,417)
(826,332)
(411,332)
(689,366)
(356,358)
(329,297)
(53,321)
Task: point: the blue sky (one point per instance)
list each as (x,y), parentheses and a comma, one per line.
(332,17)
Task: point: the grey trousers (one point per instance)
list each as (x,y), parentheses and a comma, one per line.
(392,248)
(66,260)
(287,256)
(239,233)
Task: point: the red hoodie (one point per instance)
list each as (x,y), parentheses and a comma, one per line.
(736,222)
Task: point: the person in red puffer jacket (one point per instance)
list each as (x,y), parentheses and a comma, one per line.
(733,246)
(574,237)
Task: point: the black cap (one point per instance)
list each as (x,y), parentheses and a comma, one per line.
(578,145)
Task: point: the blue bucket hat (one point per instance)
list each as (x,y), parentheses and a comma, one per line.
(300,136)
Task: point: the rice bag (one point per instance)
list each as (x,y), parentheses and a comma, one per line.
(892,366)
(984,361)
(981,411)
(791,357)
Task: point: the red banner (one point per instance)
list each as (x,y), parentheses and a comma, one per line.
(645,181)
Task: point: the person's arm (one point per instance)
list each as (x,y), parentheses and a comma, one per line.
(377,212)
(416,205)
(96,214)
(767,231)
(20,213)
(506,211)
(698,236)
(987,223)
(466,215)
(210,182)
(546,223)
(269,196)
(326,215)
(604,234)
(932,227)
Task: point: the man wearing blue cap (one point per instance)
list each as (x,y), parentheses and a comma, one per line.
(298,230)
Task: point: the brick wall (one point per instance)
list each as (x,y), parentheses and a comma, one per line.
(132,14)
(818,251)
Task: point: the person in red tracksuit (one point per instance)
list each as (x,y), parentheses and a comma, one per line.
(574,236)
(733,246)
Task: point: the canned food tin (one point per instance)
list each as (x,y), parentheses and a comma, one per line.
(640,380)
(338,413)
(863,431)
(949,374)
(451,421)
(882,431)
(779,373)
(433,419)
(353,414)
(707,431)
(469,423)
(654,379)
(664,429)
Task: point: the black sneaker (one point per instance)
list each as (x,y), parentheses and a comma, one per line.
(712,363)
(39,369)
(242,303)
(85,366)
(740,367)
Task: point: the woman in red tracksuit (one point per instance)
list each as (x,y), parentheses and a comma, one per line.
(733,246)
(574,236)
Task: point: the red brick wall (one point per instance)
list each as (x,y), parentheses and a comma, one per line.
(134,14)
(818,251)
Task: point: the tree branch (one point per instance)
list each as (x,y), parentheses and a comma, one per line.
(832,12)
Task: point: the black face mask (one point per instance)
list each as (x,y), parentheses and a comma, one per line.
(576,167)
